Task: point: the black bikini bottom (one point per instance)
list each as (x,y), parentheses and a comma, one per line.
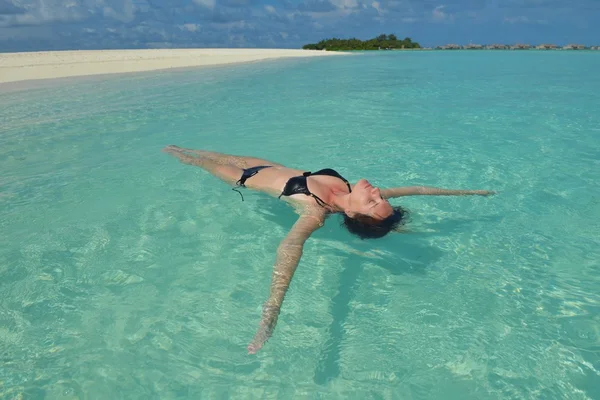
(248,173)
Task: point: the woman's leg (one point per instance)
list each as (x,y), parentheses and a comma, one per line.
(226,172)
(238,161)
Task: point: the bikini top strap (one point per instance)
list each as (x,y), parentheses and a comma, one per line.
(330,172)
(319,201)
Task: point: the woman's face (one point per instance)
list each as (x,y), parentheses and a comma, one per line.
(366,200)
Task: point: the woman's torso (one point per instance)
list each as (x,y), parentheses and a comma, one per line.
(273,180)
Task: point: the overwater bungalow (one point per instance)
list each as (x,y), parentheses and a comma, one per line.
(497,47)
(450,47)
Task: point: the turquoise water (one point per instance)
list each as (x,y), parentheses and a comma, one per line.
(127,275)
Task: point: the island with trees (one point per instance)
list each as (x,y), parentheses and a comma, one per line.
(391,42)
(517,46)
(381,42)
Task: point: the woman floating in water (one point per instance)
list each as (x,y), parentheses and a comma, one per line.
(365,209)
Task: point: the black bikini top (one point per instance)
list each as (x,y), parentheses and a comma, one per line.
(298,184)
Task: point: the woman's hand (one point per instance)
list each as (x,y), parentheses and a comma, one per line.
(265,328)
(484,192)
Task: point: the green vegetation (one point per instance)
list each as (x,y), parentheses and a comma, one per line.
(381,42)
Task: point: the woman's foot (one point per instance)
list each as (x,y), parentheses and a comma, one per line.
(172,149)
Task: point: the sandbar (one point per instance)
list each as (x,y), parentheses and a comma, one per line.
(16,67)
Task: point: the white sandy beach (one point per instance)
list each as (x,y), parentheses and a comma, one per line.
(16,67)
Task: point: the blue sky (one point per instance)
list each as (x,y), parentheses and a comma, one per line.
(90,24)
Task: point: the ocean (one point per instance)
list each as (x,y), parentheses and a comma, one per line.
(125,274)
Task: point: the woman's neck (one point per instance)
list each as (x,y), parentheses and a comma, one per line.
(338,200)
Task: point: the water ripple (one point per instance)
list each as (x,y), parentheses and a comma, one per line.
(126,274)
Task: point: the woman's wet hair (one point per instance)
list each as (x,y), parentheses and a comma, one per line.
(367,227)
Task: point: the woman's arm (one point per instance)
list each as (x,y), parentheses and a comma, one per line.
(288,257)
(430,191)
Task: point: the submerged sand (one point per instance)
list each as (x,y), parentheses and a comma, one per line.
(16,67)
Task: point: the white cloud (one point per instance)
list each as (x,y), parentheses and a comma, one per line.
(345,3)
(238,40)
(472,14)
(27,19)
(376,5)
(42,12)
(340,9)
(521,19)
(234,25)
(270,9)
(206,3)
(516,20)
(190,27)
(127,14)
(439,15)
